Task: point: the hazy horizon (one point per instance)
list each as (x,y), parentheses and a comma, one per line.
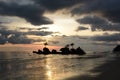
(33,47)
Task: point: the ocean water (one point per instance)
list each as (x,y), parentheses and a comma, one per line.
(24,65)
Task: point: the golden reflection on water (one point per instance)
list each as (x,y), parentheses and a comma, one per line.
(43,67)
(48,72)
(55,69)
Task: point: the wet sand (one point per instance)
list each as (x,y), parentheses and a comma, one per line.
(108,71)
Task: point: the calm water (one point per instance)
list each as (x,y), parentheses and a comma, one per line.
(27,66)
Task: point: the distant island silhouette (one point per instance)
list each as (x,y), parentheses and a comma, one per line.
(64,51)
(116,50)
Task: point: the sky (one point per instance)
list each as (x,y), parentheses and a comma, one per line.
(90,24)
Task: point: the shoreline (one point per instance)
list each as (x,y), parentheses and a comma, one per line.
(110,70)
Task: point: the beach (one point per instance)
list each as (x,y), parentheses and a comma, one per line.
(29,66)
(110,70)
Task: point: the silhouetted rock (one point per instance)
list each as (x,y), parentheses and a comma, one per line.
(39,51)
(80,51)
(36,52)
(64,51)
(117,49)
(46,50)
(73,51)
(54,51)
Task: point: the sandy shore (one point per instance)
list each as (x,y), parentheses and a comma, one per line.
(108,71)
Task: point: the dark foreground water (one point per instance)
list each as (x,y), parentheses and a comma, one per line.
(28,66)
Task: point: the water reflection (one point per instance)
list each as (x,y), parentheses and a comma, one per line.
(48,72)
(24,69)
(34,68)
(21,66)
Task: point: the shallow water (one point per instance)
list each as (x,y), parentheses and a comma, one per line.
(28,66)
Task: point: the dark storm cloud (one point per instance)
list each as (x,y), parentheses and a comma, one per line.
(39,33)
(53,5)
(72,37)
(5,32)
(42,28)
(98,23)
(17,37)
(33,10)
(21,38)
(92,20)
(12,36)
(33,29)
(2,39)
(107,37)
(110,9)
(31,13)
(81,28)
(107,8)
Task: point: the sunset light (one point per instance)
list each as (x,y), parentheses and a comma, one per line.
(59,39)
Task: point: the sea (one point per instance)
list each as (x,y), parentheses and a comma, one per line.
(25,65)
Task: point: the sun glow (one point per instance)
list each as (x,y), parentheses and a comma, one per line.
(54,28)
(64,24)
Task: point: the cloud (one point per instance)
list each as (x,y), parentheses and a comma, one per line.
(81,28)
(105,43)
(12,36)
(33,10)
(31,13)
(18,37)
(107,8)
(54,42)
(39,33)
(98,23)
(42,28)
(69,39)
(33,29)
(92,20)
(107,37)
(54,5)
(2,39)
